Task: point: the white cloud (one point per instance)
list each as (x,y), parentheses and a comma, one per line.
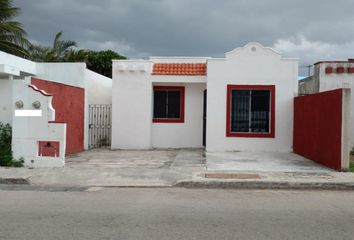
(122,47)
(312,51)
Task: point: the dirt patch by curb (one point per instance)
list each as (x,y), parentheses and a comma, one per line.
(14,181)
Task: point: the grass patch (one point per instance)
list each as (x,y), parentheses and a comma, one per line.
(351,166)
(351,163)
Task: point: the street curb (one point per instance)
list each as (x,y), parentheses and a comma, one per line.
(19,187)
(267,185)
(14,181)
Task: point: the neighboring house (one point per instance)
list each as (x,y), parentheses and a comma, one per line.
(241,102)
(330,75)
(72,88)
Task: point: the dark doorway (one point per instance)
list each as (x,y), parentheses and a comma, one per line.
(204,117)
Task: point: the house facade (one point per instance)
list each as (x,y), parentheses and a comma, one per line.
(241,102)
(330,75)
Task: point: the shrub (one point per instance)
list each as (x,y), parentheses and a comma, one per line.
(6,158)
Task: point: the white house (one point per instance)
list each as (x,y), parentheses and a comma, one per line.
(243,101)
(65,92)
(330,75)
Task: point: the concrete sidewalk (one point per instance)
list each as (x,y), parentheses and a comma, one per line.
(183,168)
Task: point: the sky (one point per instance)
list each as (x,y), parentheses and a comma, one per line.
(311,30)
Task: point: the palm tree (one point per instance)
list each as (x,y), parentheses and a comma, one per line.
(56,53)
(13,38)
(80,55)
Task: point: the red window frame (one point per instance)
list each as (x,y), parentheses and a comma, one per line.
(271,88)
(181,89)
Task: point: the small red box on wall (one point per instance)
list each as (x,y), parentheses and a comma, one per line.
(340,70)
(329,70)
(48,148)
(350,69)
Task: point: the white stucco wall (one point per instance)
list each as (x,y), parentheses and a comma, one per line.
(98,88)
(131,105)
(27,131)
(72,74)
(188,134)
(334,81)
(245,67)
(17,63)
(6,100)
(11,66)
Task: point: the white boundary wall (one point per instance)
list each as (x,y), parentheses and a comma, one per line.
(6,100)
(339,80)
(29,130)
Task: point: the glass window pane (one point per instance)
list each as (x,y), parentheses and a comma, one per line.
(240,101)
(174,104)
(160,104)
(260,110)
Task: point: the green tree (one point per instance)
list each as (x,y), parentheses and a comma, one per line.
(65,51)
(97,61)
(13,38)
(80,55)
(101,61)
(56,53)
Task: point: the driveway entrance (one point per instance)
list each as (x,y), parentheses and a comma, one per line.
(103,167)
(262,162)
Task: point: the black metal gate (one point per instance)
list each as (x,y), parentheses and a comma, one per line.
(100,125)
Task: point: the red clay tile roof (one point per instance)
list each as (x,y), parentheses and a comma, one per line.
(191,69)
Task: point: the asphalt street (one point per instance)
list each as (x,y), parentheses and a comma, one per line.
(175,213)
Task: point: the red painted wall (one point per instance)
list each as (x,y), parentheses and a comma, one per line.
(318,127)
(69,105)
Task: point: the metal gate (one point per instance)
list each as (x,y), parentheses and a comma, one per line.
(100,125)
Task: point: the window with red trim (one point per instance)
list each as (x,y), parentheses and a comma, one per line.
(168,104)
(250,111)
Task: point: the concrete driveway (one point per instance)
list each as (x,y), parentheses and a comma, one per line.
(262,162)
(103,167)
(161,168)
